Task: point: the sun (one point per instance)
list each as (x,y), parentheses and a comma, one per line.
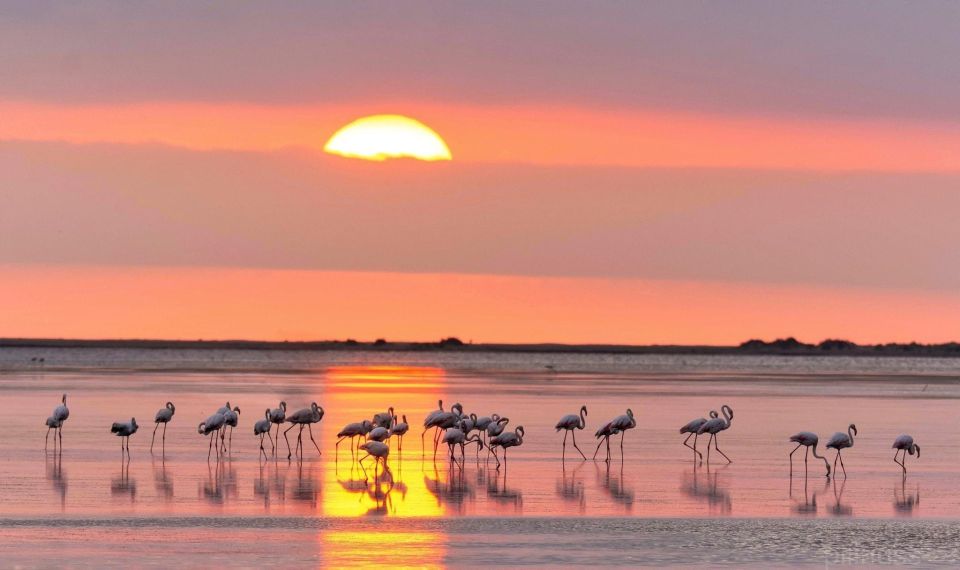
(381,137)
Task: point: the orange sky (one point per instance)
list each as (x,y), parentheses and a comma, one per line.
(212,303)
(622,172)
(543,134)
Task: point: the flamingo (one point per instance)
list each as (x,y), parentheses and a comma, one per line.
(715,426)
(384,419)
(277,416)
(379,451)
(569,423)
(52,423)
(427,421)
(125,430)
(484,422)
(604,434)
(213,424)
(378,433)
(263,427)
(906,444)
(495,428)
(163,417)
(506,440)
(304,417)
(230,419)
(60,415)
(442,421)
(357,429)
(622,423)
(840,441)
(809,440)
(400,429)
(458,436)
(692,427)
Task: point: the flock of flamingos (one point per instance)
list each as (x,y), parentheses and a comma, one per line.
(456,429)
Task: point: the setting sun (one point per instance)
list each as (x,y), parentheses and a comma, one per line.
(381,137)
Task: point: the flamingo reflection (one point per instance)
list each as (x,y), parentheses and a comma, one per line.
(124,485)
(162,480)
(838,508)
(570,488)
(809,504)
(903,503)
(706,486)
(614,486)
(57,477)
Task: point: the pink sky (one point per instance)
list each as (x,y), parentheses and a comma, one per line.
(625,174)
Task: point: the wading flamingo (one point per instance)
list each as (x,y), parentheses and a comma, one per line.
(808,440)
(305,417)
(263,427)
(691,429)
(125,430)
(905,444)
(715,426)
(840,441)
(163,417)
(571,422)
(277,416)
(211,425)
(400,429)
(59,415)
(506,440)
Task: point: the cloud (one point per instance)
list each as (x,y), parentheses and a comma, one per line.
(858,58)
(154,206)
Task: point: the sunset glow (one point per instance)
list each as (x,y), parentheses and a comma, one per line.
(382,137)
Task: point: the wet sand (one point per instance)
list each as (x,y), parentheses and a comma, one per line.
(653,506)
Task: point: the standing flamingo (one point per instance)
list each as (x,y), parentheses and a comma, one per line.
(506,440)
(905,444)
(571,422)
(400,429)
(277,417)
(304,417)
(230,419)
(60,415)
(840,441)
(604,433)
(52,424)
(263,427)
(809,440)
(715,426)
(691,429)
(125,430)
(621,424)
(163,417)
(441,421)
(379,451)
(211,425)
(458,436)
(354,430)
(384,419)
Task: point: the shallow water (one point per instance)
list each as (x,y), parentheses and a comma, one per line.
(538,509)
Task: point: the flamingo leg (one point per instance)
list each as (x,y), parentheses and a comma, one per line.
(289,453)
(840,457)
(597,450)
(497,458)
(563,454)
(163,440)
(608,449)
(574,445)
(310,431)
(902,466)
(709,441)
(46,440)
(210,447)
(715,438)
(154,436)
(261,447)
(791,458)
(623,434)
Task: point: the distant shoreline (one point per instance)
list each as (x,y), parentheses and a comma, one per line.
(780,347)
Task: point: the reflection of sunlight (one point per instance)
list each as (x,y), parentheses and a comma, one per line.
(355,393)
(383,549)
